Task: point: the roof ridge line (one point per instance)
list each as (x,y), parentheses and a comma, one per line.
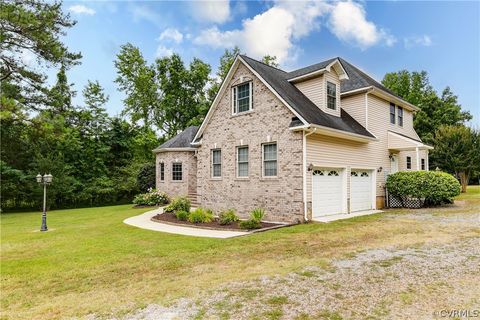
(244,55)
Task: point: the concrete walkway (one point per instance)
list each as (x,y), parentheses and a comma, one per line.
(335,217)
(144,221)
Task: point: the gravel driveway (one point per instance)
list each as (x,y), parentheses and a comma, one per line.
(410,282)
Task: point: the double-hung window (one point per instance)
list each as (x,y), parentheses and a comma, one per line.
(423,164)
(331,95)
(216,163)
(242,97)
(162,171)
(177,171)
(242,161)
(270,160)
(392,113)
(409,162)
(400,116)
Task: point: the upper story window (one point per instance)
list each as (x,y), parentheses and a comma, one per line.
(177,172)
(423,164)
(242,161)
(392,113)
(162,171)
(331,95)
(242,97)
(409,162)
(216,163)
(270,160)
(400,116)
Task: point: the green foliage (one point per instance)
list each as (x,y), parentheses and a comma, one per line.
(270,60)
(36,28)
(435,110)
(146,177)
(228,217)
(200,215)
(257,214)
(151,198)
(226,61)
(433,186)
(250,224)
(457,150)
(179,204)
(182,101)
(182,215)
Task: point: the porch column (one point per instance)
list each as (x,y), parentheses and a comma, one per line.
(427,161)
(417,156)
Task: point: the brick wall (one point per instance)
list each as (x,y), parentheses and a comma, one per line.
(189,168)
(269,120)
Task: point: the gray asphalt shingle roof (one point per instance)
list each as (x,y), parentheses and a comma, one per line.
(278,80)
(181,140)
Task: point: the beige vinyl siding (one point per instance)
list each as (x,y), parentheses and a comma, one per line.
(314,89)
(355,106)
(402,160)
(333,78)
(324,151)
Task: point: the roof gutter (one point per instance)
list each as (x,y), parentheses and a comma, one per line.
(334,132)
(382,94)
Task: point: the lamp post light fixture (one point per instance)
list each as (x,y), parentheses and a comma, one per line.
(45,179)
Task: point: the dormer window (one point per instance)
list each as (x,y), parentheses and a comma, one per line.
(242,97)
(331,95)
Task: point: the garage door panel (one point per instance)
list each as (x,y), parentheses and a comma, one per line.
(361,189)
(327,192)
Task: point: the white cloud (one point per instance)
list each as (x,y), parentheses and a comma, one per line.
(81,9)
(171,34)
(349,23)
(216,11)
(142,12)
(163,52)
(424,41)
(276,30)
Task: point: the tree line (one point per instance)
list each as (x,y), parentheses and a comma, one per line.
(98,159)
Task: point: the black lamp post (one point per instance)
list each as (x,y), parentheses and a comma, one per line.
(45,179)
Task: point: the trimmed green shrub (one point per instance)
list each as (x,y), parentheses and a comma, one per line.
(182,215)
(257,214)
(200,215)
(151,198)
(228,217)
(250,224)
(433,187)
(178,204)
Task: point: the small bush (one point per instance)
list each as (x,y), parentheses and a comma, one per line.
(228,217)
(250,224)
(178,204)
(151,198)
(200,215)
(257,214)
(182,215)
(433,187)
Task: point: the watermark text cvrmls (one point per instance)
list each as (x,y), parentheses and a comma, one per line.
(458,313)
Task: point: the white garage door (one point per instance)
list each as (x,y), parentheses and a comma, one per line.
(327,192)
(361,184)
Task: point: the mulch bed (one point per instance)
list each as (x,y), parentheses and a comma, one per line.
(170,218)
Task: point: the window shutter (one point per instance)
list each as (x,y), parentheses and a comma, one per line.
(234,100)
(250,88)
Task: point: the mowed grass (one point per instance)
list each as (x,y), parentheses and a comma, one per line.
(90,262)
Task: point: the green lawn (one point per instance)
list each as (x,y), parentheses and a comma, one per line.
(90,262)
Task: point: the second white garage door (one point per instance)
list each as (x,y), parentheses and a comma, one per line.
(361,188)
(327,192)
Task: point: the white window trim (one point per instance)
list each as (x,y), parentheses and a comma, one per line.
(160,171)
(336,95)
(234,98)
(177,162)
(211,164)
(263,160)
(238,163)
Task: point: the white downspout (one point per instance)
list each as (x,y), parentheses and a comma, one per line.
(304,153)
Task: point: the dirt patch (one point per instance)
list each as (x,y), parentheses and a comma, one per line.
(170,218)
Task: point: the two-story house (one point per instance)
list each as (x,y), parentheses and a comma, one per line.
(303,144)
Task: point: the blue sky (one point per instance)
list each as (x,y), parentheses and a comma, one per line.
(442,38)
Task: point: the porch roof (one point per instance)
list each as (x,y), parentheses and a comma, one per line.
(398,141)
